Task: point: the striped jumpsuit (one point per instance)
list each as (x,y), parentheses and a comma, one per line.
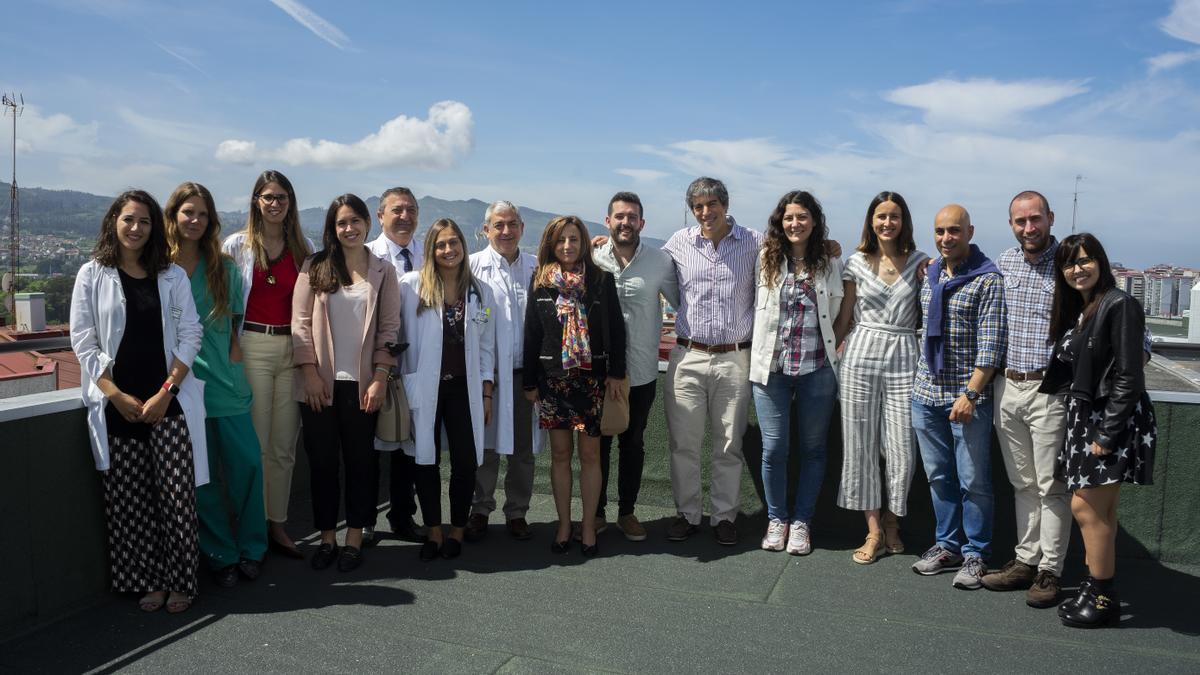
(876,380)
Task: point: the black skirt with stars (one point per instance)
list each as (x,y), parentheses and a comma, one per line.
(1131,462)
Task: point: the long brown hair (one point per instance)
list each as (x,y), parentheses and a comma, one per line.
(154,257)
(545,253)
(210,244)
(293,238)
(430,291)
(1068,304)
(869,243)
(777,246)
(328,271)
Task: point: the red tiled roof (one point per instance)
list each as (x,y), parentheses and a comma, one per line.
(24,364)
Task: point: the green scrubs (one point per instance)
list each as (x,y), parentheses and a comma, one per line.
(234,457)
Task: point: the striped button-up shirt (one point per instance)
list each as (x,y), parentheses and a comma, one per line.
(973,337)
(716,284)
(1028,297)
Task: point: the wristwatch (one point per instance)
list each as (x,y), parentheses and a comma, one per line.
(971,395)
(171,388)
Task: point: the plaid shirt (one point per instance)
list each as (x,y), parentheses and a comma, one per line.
(1028,297)
(799,349)
(974,333)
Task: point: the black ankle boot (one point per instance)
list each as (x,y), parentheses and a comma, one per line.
(1070,604)
(1099,607)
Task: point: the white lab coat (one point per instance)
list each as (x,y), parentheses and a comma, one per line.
(235,247)
(97,324)
(498,435)
(421,363)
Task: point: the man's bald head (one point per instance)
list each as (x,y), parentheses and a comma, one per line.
(952,232)
(953,213)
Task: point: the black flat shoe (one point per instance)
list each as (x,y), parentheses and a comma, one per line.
(589,551)
(284,549)
(226,577)
(451,549)
(324,556)
(560,547)
(250,569)
(1072,604)
(429,551)
(406,529)
(350,559)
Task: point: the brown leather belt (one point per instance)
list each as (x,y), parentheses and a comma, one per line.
(1018,376)
(712,349)
(265,328)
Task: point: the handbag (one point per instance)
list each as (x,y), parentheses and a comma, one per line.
(394,423)
(615,419)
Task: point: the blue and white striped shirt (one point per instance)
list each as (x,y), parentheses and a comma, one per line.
(716,284)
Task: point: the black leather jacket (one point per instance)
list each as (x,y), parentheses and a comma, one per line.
(543,332)
(1109,365)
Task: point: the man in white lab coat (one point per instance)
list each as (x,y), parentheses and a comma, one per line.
(513,429)
(398,211)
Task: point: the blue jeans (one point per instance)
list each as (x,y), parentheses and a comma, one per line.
(958,464)
(814,394)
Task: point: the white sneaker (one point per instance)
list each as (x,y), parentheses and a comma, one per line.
(777,532)
(799,541)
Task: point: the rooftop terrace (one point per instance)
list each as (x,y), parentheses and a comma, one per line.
(508,606)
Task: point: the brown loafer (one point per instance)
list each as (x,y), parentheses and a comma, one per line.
(477,526)
(519,529)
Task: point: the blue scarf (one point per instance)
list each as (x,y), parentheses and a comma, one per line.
(976,264)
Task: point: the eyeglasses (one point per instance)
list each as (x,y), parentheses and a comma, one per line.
(1078,262)
(273,199)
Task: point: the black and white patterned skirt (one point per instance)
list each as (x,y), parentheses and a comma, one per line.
(1132,461)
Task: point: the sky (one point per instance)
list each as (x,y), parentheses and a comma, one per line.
(558,106)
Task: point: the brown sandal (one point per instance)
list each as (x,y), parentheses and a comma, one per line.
(870,550)
(891,532)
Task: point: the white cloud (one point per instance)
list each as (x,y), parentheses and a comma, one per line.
(982,103)
(1171,60)
(313,22)
(643,175)
(436,142)
(55,133)
(1136,194)
(1184,21)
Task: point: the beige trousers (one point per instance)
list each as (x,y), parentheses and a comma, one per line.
(275,414)
(1031,427)
(700,388)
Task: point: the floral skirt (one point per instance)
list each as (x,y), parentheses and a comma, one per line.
(1132,461)
(572,402)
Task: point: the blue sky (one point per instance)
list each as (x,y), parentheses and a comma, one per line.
(558,106)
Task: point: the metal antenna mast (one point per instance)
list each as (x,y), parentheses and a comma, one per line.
(14,104)
(1075,204)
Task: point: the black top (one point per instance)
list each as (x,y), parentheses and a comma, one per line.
(543,332)
(140,367)
(1104,362)
(454,347)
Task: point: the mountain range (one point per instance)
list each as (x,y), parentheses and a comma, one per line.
(79,213)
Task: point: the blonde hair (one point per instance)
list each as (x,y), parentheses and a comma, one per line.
(209,244)
(293,238)
(430,290)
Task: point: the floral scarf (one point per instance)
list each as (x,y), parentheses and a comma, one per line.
(573,314)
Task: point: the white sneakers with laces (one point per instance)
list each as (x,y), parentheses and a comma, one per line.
(800,540)
(777,534)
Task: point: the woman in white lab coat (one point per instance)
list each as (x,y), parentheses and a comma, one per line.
(449,369)
(135,332)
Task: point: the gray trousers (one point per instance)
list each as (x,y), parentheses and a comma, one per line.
(518,474)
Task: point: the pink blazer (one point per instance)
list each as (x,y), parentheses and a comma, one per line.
(312,339)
